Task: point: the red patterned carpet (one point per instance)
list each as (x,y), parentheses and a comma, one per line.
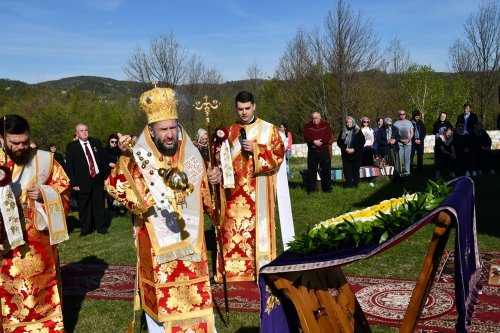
(243,296)
(117,282)
(384,301)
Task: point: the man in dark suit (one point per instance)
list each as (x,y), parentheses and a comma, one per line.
(85,168)
(468,118)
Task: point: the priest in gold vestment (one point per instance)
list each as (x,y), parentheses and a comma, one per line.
(34,192)
(248,228)
(172,268)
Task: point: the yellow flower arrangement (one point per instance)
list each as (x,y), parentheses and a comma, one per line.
(373,224)
(369,213)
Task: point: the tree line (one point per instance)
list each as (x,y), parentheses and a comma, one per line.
(337,69)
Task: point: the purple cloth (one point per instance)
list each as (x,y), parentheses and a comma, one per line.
(278,314)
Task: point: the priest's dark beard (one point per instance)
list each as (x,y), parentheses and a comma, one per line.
(166,150)
(21,157)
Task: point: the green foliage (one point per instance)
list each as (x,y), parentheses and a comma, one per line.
(107,106)
(458,91)
(53,113)
(421,89)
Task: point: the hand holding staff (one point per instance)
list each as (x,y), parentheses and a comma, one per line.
(207,107)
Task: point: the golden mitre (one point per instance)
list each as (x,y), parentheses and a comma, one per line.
(159,104)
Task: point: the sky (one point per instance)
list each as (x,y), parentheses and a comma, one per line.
(52,39)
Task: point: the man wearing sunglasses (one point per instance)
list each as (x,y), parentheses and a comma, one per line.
(405,129)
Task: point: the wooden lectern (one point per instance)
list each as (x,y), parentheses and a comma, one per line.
(326,303)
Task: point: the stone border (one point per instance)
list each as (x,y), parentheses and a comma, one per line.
(300,149)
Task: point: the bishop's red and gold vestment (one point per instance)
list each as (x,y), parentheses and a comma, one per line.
(30,292)
(172,265)
(248,228)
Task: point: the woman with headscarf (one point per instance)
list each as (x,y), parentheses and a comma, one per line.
(351,141)
(441,122)
(444,153)
(201,143)
(387,140)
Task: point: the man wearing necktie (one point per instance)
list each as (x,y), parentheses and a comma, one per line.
(468,118)
(85,169)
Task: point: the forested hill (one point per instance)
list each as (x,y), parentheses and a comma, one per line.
(94,84)
(53,108)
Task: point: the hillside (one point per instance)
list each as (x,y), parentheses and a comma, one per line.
(92,84)
(95,84)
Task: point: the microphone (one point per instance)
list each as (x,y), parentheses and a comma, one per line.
(243,134)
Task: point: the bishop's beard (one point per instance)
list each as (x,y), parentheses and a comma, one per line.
(167,150)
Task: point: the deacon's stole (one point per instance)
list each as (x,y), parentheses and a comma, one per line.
(30,296)
(248,229)
(172,259)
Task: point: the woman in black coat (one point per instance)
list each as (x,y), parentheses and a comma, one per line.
(442,121)
(387,140)
(111,155)
(351,141)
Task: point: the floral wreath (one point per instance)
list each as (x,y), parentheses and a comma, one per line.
(373,224)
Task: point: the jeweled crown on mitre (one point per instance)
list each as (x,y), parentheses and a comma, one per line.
(159,104)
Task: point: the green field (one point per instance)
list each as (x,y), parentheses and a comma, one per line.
(92,315)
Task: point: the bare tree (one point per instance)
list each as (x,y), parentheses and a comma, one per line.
(480,52)
(296,61)
(320,96)
(138,67)
(350,46)
(166,61)
(200,82)
(302,70)
(254,74)
(461,57)
(396,58)
(212,76)
(196,70)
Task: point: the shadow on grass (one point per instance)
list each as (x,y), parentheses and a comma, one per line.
(72,222)
(72,302)
(211,243)
(248,330)
(487,188)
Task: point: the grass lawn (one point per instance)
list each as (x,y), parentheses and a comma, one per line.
(402,261)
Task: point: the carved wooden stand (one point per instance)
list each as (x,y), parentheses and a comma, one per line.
(326,303)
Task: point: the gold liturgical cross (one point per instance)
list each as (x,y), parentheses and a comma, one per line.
(206,107)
